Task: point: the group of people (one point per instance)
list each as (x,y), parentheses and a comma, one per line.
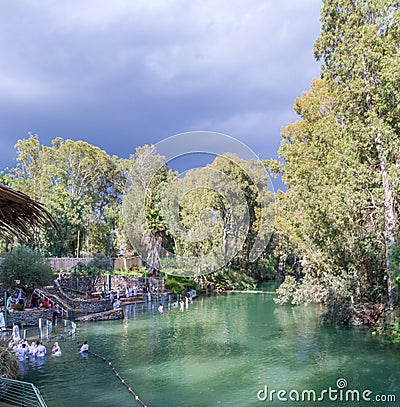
(36,302)
(36,349)
(129,292)
(15,303)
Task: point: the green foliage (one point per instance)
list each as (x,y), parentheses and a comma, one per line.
(100,262)
(229,279)
(394,332)
(216,214)
(9,366)
(26,265)
(341,158)
(147,175)
(177,285)
(135,271)
(266,268)
(93,270)
(395,261)
(326,217)
(359,49)
(79,184)
(307,290)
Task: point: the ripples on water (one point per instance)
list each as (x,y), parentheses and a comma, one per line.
(220,351)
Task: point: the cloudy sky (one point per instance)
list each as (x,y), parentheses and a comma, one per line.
(124,73)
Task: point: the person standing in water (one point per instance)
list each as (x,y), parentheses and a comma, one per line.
(56,350)
(84,347)
(41,350)
(15,333)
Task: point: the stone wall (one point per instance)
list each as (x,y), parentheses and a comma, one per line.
(120,281)
(102,316)
(29,317)
(91,306)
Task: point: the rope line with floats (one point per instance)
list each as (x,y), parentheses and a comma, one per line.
(137,398)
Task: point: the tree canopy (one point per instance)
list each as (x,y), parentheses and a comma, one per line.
(25,268)
(341,159)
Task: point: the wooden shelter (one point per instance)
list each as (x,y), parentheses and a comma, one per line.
(20,215)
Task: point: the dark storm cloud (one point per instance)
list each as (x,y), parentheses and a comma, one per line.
(121,74)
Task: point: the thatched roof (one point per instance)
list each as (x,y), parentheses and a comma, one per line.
(20,215)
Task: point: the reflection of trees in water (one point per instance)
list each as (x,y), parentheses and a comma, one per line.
(324,352)
(201,334)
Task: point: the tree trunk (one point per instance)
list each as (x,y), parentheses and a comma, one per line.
(153,254)
(390,216)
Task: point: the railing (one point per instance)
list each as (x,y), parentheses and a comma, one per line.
(45,329)
(20,393)
(64,309)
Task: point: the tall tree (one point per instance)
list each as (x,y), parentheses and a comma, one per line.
(146,174)
(360,50)
(220,214)
(78,182)
(328,217)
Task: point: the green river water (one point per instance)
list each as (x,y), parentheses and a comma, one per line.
(227,350)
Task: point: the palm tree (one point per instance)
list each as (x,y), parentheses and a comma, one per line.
(156,232)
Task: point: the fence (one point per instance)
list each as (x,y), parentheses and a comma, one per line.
(66,263)
(20,393)
(45,330)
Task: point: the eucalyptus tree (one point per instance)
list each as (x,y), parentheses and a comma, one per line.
(219,215)
(341,159)
(359,47)
(77,182)
(146,175)
(326,218)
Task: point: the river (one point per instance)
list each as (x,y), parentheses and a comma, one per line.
(235,349)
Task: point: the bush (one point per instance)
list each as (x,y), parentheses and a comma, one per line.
(27,266)
(132,272)
(9,366)
(395,260)
(266,268)
(93,270)
(229,279)
(177,285)
(394,332)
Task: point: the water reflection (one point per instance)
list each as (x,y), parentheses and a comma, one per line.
(220,350)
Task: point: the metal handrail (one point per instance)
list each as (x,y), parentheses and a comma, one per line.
(20,393)
(63,307)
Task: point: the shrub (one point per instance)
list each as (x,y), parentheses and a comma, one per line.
(27,266)
(93,270)
(9,366)
(177,285)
